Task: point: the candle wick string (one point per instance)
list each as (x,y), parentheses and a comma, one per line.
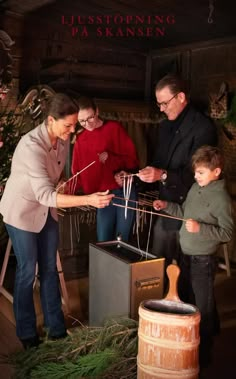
(150,212)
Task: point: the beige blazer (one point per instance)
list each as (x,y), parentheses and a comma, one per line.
(35,171)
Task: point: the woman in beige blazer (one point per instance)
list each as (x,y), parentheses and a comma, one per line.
(29,208)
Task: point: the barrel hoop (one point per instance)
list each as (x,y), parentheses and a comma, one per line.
(166,343)
(193,372)
(163,319)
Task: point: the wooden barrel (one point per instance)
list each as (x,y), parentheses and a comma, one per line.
(168,336)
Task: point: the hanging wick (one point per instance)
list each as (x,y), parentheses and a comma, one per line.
(128,175)
(140,202)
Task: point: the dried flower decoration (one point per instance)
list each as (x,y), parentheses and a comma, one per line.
(10,134)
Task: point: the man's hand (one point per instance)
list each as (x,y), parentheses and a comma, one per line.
(192,226)
(149,174)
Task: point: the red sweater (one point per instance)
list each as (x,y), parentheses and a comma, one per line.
(112,138)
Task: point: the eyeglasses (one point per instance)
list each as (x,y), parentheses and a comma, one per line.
(89,119)
(165,104)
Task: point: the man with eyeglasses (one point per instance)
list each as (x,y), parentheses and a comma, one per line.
(179,136)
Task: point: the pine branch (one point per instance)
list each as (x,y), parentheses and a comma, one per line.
(89,365)
(116,343)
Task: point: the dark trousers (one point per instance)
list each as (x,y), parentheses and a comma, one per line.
(196,286)
(166,240)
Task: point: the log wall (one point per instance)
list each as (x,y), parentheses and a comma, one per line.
(206,65)
(53,56)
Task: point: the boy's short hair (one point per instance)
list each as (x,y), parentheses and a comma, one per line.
(208,156)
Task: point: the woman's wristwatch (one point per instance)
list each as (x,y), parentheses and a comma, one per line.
(163,177)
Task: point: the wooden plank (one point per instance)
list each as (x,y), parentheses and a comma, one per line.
(92,83)
(148,76)
(109,105)
(7,310)
(194,46)
(95,70)
(9,344)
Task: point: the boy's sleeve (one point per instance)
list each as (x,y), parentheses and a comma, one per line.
(175,209)
(223,231)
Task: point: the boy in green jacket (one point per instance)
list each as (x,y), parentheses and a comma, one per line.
(207,222)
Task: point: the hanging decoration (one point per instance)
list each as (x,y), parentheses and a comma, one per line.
(5,63)
(127,185)
(211,10)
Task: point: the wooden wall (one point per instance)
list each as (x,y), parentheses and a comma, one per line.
(13,25)
(53,56)
(46,53)
(204,64)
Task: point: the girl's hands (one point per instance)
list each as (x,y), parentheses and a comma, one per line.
(103,157)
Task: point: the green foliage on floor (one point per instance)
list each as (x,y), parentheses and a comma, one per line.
(108,352)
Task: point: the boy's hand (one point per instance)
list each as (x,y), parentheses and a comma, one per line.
(159,204)
(192,226)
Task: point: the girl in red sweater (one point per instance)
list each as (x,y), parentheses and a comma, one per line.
(108,144)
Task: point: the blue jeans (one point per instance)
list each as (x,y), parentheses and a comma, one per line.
(111,220)
(30,248)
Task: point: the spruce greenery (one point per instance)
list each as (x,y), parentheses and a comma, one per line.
(107,352)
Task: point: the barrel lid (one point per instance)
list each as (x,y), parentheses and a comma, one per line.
(169,307)
(171,304)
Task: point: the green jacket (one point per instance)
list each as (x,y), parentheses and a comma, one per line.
(211,206)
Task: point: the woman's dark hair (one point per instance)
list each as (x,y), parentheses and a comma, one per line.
(62,105)
(85,102)
(208,156)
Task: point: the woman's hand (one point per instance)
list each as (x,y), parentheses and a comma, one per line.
(103,157)
(159,204)
(192,226)
(63,187)
(99,199)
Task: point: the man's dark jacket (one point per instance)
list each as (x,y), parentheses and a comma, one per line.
(177,141)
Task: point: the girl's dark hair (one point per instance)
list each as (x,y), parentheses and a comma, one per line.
(86,102)
(208,156)
(62,105)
